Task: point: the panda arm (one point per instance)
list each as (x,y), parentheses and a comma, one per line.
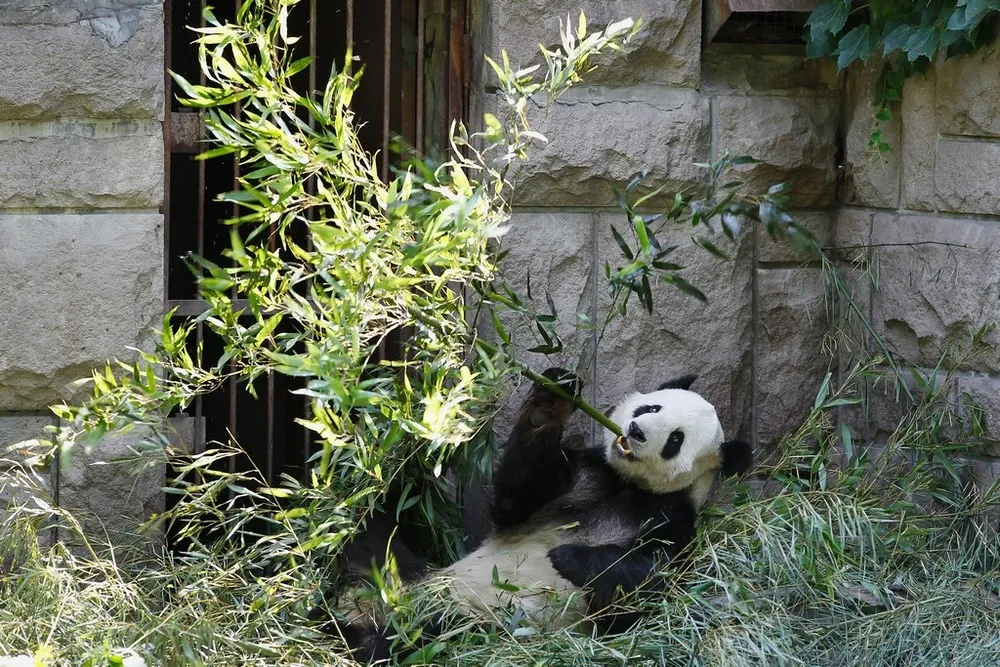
(534,469)
(605,569)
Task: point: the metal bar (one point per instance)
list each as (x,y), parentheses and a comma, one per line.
(456,56)
(350,32)
(386,87)
(183,130)
(168,140)
(407,74)
(313,20)
(199,404)
(269,475)
(421,36)
(310,214)
(233,384)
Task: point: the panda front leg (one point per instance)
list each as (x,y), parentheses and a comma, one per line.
(609,570)
(534,469)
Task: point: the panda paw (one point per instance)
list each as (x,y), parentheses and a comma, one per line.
(572,562)
(737,457)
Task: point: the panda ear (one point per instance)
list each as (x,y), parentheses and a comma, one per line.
(737,457)
(683,382)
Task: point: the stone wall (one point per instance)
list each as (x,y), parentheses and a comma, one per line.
(927,218)
(81,228)
(930,216)
(663,105)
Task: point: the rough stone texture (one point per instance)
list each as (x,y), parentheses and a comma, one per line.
(15,428)
(967,98)
(888,403)
(736,69)
(556,250)
(74,291)
(665,52)
(18,491)
(919,143)
(794,138)
(95,59)
(683,335)
(113,488)
(852,227)
(596,143)
(818,223)
(984,393)
(792,321)
(966,174)
(92,165)
(981,475)
(852,238)
(937,293)
(871,179)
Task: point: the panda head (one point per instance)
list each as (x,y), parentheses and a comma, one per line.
(672,440)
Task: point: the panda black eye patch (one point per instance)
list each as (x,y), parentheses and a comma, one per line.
(645,409)
(673,446)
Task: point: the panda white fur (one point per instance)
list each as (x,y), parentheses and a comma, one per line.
(594,522)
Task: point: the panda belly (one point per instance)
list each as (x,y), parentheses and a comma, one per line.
(521,560)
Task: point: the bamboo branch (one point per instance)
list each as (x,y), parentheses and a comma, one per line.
(556,389)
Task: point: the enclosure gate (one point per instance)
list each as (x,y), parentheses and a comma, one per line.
(415,54)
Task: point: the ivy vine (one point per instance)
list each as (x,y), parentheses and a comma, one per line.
(909,34)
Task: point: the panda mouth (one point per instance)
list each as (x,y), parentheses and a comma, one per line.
(621,446)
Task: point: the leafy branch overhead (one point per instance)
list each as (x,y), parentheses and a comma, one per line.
(908,35)
(723,207)
(327,261)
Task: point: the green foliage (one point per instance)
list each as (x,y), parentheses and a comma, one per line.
(909,35)
(722,207)
(326,262)
(848,557)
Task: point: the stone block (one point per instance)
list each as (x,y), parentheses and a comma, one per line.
(966,174)
(19,427)
(919,143)
(852,238)
(74,291)
(983,474)
(982,394)
(939,284)
(665,52)
(17,490)
(852,228)
(81,59)
(793,318)
(554,252)
(16,427)
(967,97)
(682,335)
(113,488)
(85,164)
(596,143)
(735,71)
(794,138)
(817,223)
(871,179)
(889,403)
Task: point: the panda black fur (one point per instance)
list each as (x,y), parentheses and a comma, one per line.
(592,521)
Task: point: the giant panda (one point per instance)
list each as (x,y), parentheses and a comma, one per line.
(576,528)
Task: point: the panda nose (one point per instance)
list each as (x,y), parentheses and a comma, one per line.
(635,433)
